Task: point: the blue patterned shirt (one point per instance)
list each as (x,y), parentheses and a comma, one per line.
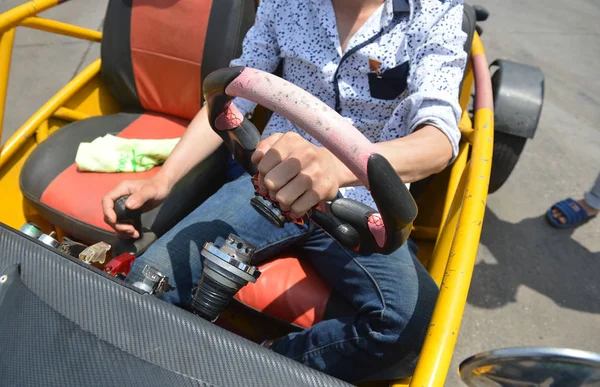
(400,70)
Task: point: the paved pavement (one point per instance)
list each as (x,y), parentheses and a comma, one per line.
(532,285)
(42,63)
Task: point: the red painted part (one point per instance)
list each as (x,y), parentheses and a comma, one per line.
(231,118)
(377,228)
(79,194)
(484,94)
(120,264)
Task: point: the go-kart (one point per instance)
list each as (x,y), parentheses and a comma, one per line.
(68,319)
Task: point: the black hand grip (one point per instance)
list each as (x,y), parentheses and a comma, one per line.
(133,217)
(125,215)
(242,142)
(342,232)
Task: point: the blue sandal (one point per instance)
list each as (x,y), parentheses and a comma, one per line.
(572,211)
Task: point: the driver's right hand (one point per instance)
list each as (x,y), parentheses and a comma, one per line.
(146,194)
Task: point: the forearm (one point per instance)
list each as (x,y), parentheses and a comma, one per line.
(420,154)
(197,143)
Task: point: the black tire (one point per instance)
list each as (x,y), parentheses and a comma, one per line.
(507,150)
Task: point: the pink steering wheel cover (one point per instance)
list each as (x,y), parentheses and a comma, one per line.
(309,114)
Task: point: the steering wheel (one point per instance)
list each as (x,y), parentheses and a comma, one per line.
(353,224)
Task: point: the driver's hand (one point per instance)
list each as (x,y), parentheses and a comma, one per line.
(296,173)
(148,193)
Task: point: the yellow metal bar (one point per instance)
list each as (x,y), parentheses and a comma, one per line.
(467,134)
(465,125)
(28,129)
(13,17)
(445,322)
(455,173)
(6,45)
(69,114)
(425,233)
(43,132)
(466,128)
(400,383)
(61,28)
(467,87)
(439,257)
(441,336)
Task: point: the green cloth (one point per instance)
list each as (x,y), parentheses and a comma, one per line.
(116,154)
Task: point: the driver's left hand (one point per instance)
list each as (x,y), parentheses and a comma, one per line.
(296,173)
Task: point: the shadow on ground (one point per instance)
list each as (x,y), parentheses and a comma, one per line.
(531,253)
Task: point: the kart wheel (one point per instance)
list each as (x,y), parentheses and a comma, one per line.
(518,99)
(507,150)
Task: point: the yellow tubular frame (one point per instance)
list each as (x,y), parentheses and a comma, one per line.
(13,17)
(436,355)
(54,105)
(61,28)
(452,262)
(6,44)
(25,15)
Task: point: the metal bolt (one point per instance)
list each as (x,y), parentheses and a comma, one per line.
(3,279)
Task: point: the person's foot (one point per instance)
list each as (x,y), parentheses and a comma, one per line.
(590,211)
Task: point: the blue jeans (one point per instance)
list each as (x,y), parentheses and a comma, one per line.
(393,295)
(592,197)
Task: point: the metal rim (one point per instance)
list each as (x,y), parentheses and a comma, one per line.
(470,364)
(261,205)
(251,270)
(48,240)
(3,279)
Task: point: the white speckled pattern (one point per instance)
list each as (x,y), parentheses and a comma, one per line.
(307,112)
(303,34)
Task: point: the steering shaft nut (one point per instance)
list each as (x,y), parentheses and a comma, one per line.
(267,209)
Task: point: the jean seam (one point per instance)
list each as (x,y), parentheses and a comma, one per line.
(381,316)
(320,349)
(279,242)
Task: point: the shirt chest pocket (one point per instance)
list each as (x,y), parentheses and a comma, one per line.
(390,83)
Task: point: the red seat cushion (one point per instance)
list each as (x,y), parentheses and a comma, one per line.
(291,290)
(66,191)
(71,199)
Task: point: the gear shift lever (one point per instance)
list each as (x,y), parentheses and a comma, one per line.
(134,217)
(125,215)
